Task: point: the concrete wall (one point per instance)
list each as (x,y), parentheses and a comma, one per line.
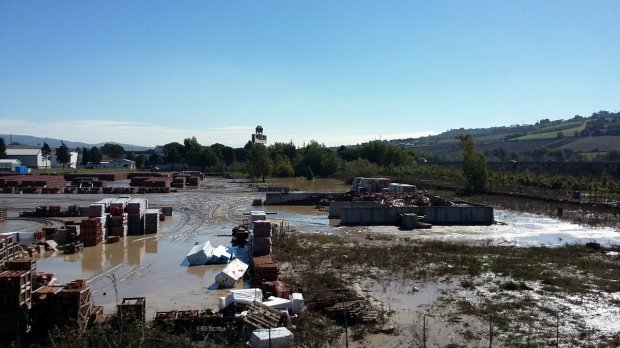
(469,215)
(335,207)
(276,198)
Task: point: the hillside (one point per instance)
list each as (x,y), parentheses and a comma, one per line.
(580,138)
(53,143)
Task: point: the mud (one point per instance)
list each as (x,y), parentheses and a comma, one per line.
(153,266)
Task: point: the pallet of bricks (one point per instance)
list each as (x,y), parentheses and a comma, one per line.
(72,304)
(15,293)
(2,215)
(118,220)
(136,210)
(151,221)
(9,250)
(261,237)
(178,181)
(92,228)
(264,269)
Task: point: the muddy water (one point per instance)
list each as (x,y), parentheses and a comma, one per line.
(153,266)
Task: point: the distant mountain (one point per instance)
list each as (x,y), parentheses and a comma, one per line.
(53,143)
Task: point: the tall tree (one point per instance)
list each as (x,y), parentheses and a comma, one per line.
(62,154)
(85,156)
(173,153)
(154,159)
(259,163)
(140,160)
(2,149)
(46,153)
(228,156)
(95,155)
(192,151)
(114,151)
(474,165)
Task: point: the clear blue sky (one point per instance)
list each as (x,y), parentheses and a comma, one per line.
(339,72)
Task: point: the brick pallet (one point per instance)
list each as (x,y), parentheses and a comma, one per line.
(151,221)
(263,268)
(261,246)
(15,289)
(261,228)
(91,232)
(72,303)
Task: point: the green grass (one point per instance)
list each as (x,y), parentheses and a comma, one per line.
(546,133)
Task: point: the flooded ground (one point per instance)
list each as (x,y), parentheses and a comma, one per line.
(153,266)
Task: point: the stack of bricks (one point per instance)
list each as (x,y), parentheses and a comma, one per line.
(15,289)
(261,237)
(151,221)
(73,304)
(263,268)
(117,220)
(136,209)
(91,232)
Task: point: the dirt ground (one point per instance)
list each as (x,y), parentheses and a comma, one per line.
(416,311)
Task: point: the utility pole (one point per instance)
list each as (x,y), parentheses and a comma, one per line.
(346,327)
(424,330)
(491,331)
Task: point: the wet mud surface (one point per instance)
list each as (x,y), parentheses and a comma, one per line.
(153,266)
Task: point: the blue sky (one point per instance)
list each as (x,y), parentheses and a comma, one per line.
(339,72)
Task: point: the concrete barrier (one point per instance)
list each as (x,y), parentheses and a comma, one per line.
(335,207)
(283,198)
(460,215)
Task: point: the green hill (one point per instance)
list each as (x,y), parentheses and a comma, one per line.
(596,137)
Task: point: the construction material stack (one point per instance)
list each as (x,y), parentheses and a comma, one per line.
(264,269)
(136,209)
(261,237)
(151,220)
(2,215)
(178,182)
(239,235)
(132,308)
(72,304)
(91,232)
(15,291)
(118,218)
(9,250)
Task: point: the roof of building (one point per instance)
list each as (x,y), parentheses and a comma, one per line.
(10,161)
(22,152)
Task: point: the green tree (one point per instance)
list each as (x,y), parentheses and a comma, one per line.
(2,149)
(282,166)
(474,165)
(114,151)
(154,159)
(95,155)
(46,153)
(173,153)
(259,163)
(192,151)
(85,157)
(208,158)
(360,167)
(228,156)
(62,154)
(140,160)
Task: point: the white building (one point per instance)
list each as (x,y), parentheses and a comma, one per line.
(29,157)
(9,165)
(117,163)
(32,157)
